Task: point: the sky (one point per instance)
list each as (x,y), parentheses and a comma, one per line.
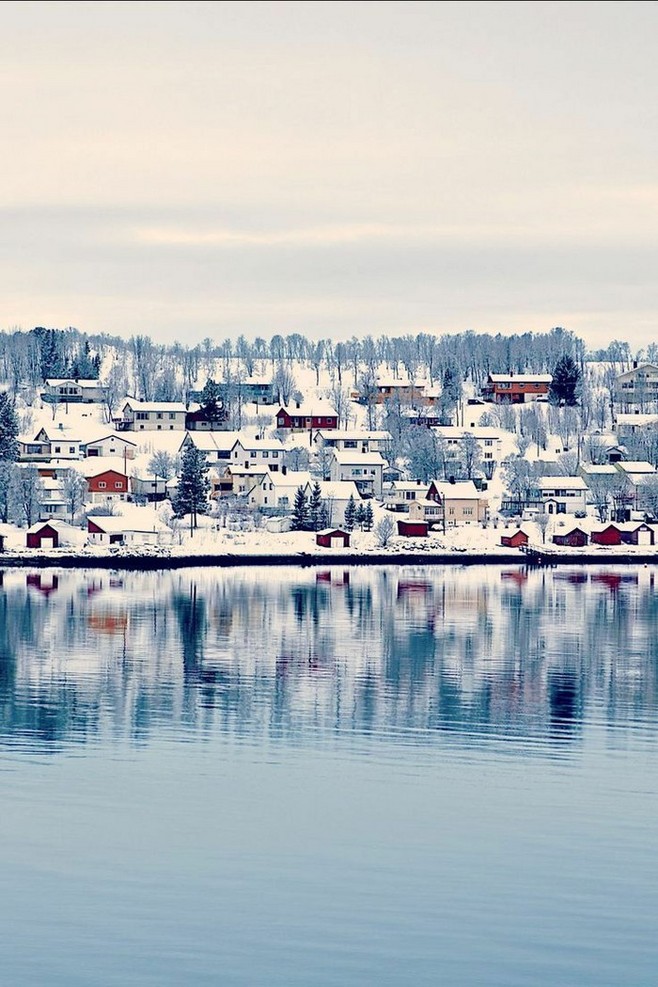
(210,169)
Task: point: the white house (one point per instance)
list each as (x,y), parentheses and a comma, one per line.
(638,386)
(489,443)
(336,495)
(399,494)
(257,450)
(562,494)
(68,390)
(110,445)
(215,445)
(363,468)
(160,416)
(346,439)
(276,490)
(52,442)
(141,526)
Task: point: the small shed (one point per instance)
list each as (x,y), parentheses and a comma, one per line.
(610,535)
(518,540)
(332,538)
(42,535)
(413,529)
(576,538)
(638,534)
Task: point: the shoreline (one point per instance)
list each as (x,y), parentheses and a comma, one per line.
(532,559)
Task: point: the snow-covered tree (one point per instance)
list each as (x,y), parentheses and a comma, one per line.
(193,486)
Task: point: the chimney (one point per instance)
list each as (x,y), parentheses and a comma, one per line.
(298,405)
(284,470)
(451,480)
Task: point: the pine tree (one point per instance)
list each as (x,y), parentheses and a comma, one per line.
(8,431)
(315,508)
(300,513)
(360,515)
(368,518)
(211,402)
(350,514)
(566,378)
(193,485)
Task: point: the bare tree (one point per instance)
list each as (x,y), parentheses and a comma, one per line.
(542,521)
(384,531)
(27,495)
(74,491)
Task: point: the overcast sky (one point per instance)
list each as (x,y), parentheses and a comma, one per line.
(194,169)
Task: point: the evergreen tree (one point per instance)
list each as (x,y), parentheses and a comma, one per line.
(211,401)
(566,378)
(315,508)
(8,430)
(360,515)
(368,518)
(300,513)
(350,514)
(193,486)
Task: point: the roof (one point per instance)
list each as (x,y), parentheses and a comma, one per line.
(257,442)
(214,441)
(522,378)
(634,370)
(292,478)
(458,432)
(81,382)
(592,469)
(639,418)
(339,489)
(135,405)
(109,435)
(354,433)
(332,531)
(352,457)
(461,490)
(315,409)
(636,466)
(95,465)
(569,482)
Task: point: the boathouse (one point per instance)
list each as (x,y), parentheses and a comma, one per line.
(610,535)
(332,538)
(413,529)
(42,535)
(518,540)
(576,538)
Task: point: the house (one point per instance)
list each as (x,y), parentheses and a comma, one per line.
(638,386)
(110,444)
(52,503)
(633,533)
(461,502)
(56,442)
(276,490)
(562,494)
(516,388)
(610,535)
(140,416)
(131,530)
(332,538)
(391,389)
(71,390)
(412,529)
(335,497)
(243,479)
(201,421)
(147,487)
(489,444)
(634,423)
(518,540)
(215,445)
(641,484)
(306,417)
(43,535)
(257,450)
(398,494)
(575,538)
(364,468)
(106,480)
(355,440)
(423,509)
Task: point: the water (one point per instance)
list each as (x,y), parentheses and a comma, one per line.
(304,777)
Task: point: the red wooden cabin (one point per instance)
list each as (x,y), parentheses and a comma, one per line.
(413,529)
(518,539)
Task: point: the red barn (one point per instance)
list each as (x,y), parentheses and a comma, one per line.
(332,538)
(108,485)
(576,538)
(42,535)
(413,529)
(517,540)
(611,535)
(301,417)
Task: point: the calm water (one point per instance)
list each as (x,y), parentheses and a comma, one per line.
(341,777)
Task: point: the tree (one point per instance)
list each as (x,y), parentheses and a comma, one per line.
(300,512)
(193,486)
(367,517)
(566,378)
(542,521)
(427,455)
(26,495)
(296,458)
(163,464)
(8,430)
(211,402)
(360,515)
(470,455)
(115,387)
(316,514)
(74,491)
(384,530)
(451,392)
(7,471)
(604,489)
(350,514)
(283,384)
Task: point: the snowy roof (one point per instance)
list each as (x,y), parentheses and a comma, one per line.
(257,442)
(349,457)
(353,433)
(131,519)
(57,381)
(215,441)
(521,378)
(641,418)
(309,409)
(636,466)
(592,469)
(568,482)
(339,489)
(292,478)
(406,485)
(458,432)
(635,370)
(109,435)
(95,465)
(135,405)
(461,490)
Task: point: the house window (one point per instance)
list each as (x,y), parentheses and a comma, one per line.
(159,415)
(266,455)
(142,416)
(119,485)
(281,422)
(102,484)
(71,449)
(172,416)
(58,448)
(275,455)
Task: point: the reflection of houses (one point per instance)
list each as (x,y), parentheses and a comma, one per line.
(563,494)
(516,388)
(45,583)
(365,469)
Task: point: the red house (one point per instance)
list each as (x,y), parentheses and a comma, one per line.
(611,535)
(332,538)
(302,417)
(638,534)
(576,538)
(516,388)
(413,529)
(107,486)
(42,535)
(516,540)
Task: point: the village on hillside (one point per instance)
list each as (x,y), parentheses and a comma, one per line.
(311,447)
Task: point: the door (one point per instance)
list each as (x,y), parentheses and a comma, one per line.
(337,541)
(644,537)
(47,543)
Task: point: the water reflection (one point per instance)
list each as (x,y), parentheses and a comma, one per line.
(412,654)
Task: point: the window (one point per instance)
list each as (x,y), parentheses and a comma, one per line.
(172,416)
(71,449)
(142,416)
(159,415)
(119,485)
(275,455)
(281,422)
(488,442)
(102,484)
(266,455)
(58,448)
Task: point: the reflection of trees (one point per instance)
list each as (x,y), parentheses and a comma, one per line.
(449,652)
